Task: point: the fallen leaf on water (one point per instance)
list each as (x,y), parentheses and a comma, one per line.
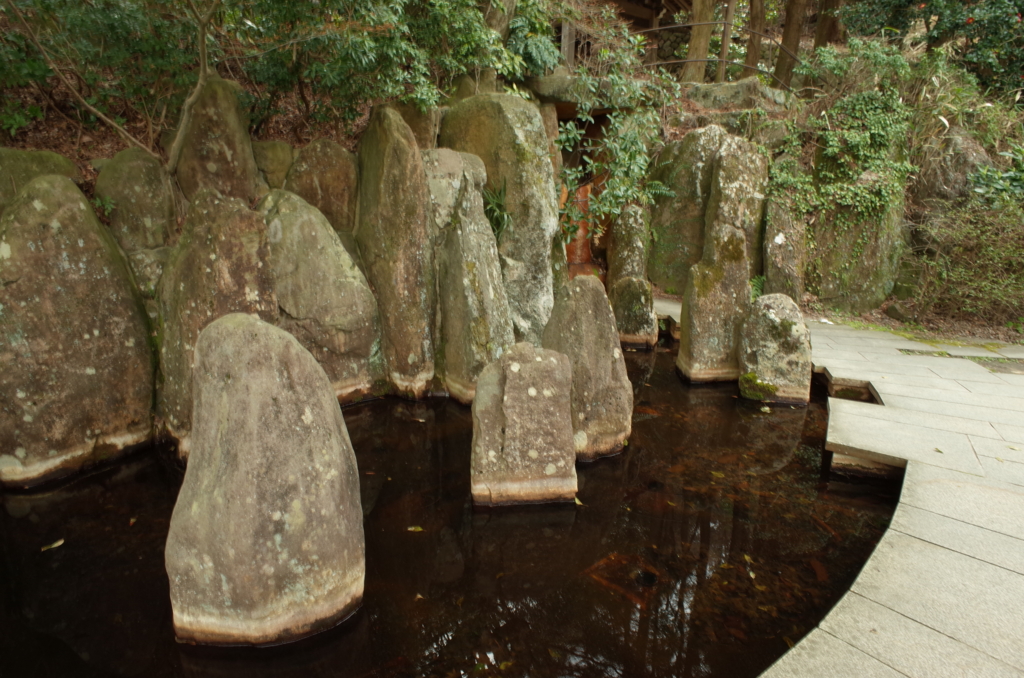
(752,575)
(760,588)
(414,528)
(555,654)
(578,502)
(747,558)
(819,570)
(421,421)
(670,503)
(53,545)
(369,473)
(418,597)
(460,600)
(718,474)
(726,566)
(132,522)
(737,633)
(647,410)
(939,451)
(766,409)
(505,665)
(788,642)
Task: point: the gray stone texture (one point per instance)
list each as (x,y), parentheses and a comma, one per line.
(326,175)
(139,188)
(775,352)
(18,168)
(217,152)
(474,321)
(739,181)
(274,159)
(785,247)
(76,365)
(323,297)
(507,133)
(522,430)
(393,236)
(582,327)
(629,237)
(266,539)
(945,168)
(425,125)
(632,301)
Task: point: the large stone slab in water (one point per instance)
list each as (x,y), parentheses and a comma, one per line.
(775,352)
(139,189)
(632,301)
(266,540)
(393,236)
(326,175)
(76,366)
(522,430)
(220,265)
(323,297)
(507,133)
(582,327)
(217,151)
(18,168)
(475,325)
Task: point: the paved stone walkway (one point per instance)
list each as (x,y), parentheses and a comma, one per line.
(943,593)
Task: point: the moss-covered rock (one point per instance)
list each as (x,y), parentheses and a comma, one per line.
(748,93)
(274,159)
(507,133)
(18,168)
(632,301)
(775,352)
(582,327)
(139,189)
(217,151)
(323,297)
(475,324)
(785,247)
(76,364)
(629,236)
(425,125)
(393,236)
(739,182)
(220,265)
(327,177)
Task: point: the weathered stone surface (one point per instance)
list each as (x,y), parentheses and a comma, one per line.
(220,265)
(522,430)
(743,94)
(715,304)
(327,176)
(139,188)
(856,258)
(627,247)
(785,246)
(393,236)
(475,325)
(266,539)
(507,133)
(632,301)
(425,125)
(498,14)
(274,159)
(738,185)
(944,171)
(549,115)
(559,87)
(583,328)
(76,366)
(775,352)
(217,152)
(18,167)
(677,222)
(148,266)
(324,299)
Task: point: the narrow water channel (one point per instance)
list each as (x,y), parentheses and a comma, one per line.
(705,549)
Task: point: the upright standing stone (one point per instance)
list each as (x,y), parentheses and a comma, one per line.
(582,327)
(393,236)
(507,133)
(629,236)
(629,293)
(327,176)
(738,184)
(138,188)
(220,265)
(18,167)
(785,248)
(274,159)
(324,298)
(425,125)
(475,326)
(76,366)
(266,539)
(775,352)
(522,430)
(217,151)
(677,221)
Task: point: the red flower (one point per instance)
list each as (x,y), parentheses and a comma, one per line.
(970,19)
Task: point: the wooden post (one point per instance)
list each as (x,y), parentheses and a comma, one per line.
(569,45)
(723,54)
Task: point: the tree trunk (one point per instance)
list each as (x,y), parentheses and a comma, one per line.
(796,12)
(756,26)
(829,29)
(700,38)
(723,55)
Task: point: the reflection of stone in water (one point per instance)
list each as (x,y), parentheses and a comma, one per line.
(777,436)
(639,367)
(628,575)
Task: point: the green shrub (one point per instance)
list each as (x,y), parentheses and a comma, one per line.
(1002,187)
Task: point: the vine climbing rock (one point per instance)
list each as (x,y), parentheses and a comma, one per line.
(474,321)
(631,296)
(76,365)
(217,151)
(18,168)
(522,430)
(775,352)
(393,236)
(137,189)
(582,327)
(507,133)
(266,540)
(326,175)
(715,304)
(323,297)
(220,265)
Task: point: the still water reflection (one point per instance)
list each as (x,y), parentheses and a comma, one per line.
(702,550)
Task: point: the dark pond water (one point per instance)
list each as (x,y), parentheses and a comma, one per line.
(704,549)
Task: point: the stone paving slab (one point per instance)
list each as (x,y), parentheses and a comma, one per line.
(1016,352)
(995,416)
(970,427)
(999,390)
(822,655)
(906,370)
(958,397)
(908,646)
(1011,434)
(967,599)
(1010,471)
(947,368)
(967,351)
(1012,379)
(985,446)
(849,376)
